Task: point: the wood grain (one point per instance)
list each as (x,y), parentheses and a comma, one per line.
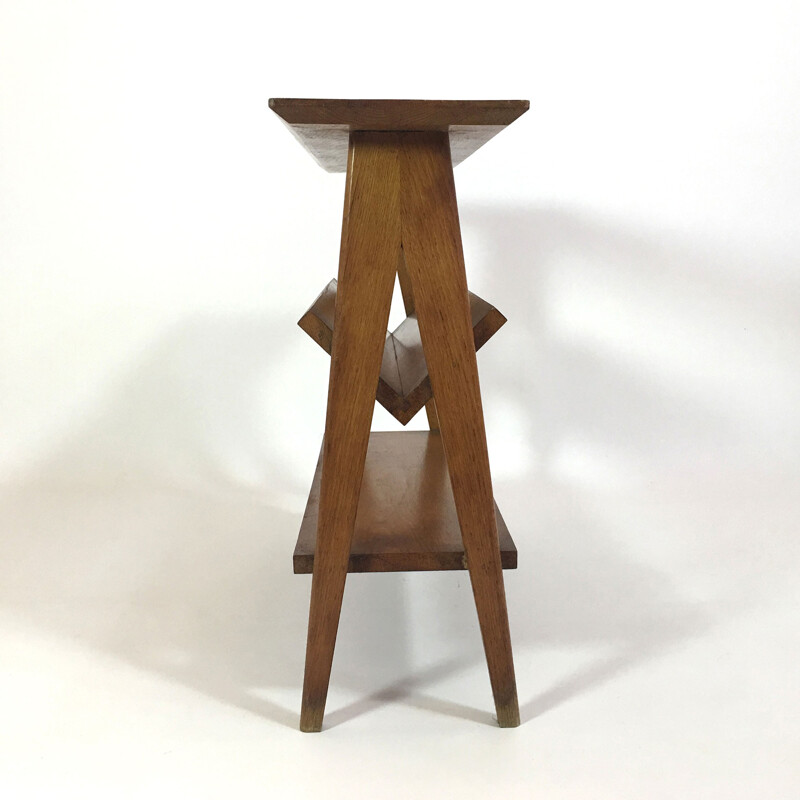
(323,126)
(368,260)
(406,518)
(434,257)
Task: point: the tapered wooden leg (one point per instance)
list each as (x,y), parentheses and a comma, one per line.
(367,264)
(435,262)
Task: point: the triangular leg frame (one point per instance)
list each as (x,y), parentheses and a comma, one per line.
(400,217)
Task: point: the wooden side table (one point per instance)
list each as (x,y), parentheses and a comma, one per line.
(383,501)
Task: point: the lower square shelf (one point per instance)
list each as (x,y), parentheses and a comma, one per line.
(406,517)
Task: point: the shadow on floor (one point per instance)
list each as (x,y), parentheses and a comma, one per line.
(161,530)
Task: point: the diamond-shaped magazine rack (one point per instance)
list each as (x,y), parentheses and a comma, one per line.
(404,386)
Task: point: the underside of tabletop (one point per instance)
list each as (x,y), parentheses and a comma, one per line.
(323,126)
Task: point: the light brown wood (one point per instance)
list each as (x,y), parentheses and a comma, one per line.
(406,518)
(368,260)
(435,263)
(323,125)
(403,386)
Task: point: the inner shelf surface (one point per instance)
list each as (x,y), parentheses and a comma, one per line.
(406,517)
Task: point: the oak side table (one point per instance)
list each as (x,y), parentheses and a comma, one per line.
(382,501)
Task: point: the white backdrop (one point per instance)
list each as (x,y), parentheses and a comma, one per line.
(160,413)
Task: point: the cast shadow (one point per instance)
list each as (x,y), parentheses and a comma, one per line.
(161,530)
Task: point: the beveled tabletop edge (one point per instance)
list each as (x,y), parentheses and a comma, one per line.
(397,114)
